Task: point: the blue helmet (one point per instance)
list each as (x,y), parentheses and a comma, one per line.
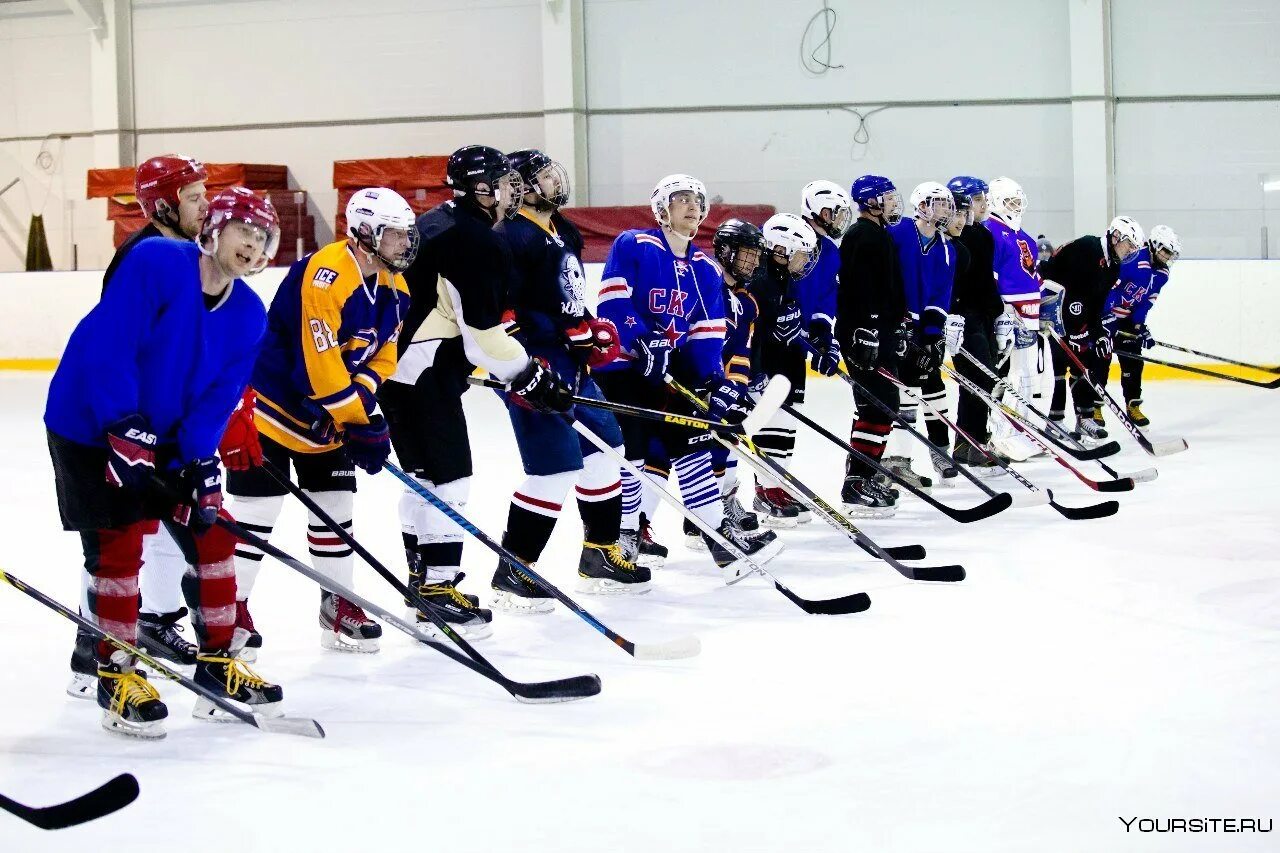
(968,185)
(868,188)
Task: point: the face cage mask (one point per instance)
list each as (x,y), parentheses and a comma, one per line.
(841,219)
(937,218)
(736,264)
(559,176)
(374,247)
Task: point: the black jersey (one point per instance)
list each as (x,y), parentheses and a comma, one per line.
(871,293)
(1085,269)
(146,231)
(547,295)
(976,294)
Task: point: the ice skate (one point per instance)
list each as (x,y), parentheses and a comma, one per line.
(901,466)
(947,472)
(344,627)
(517,593)
(253,644)
(159,634)
(225,673)
(461,612)
(605,570)
(863,497)
(761,549)
(84,668)
(1134,409)
(775,507)
(130,705)
(979,464)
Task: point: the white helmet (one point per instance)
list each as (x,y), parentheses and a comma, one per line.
(792,235)
(1127,228)
(1008,201)
(1162,237)
(937,203)
(669,186)
(818,196)
(370,212)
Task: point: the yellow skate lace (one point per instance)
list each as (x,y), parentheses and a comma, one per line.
(615,555)
(447,589)
(238,673)
(132,689)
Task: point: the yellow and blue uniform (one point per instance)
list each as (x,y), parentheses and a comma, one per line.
(331,341)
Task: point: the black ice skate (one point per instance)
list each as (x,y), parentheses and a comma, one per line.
(1134,409)
(761,548)
(605,570)
(244,620)
(901,466)
(84,667)
(344,627)
(947,472)
(460,611)
(159,634)
(693,537)
(863,497)
(653,554)
(130,704)
(747,522)
(224,672)
(1090,429)
(775,507)
(517,592)
(979,464)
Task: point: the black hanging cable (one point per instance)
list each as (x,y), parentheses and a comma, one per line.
(810,60)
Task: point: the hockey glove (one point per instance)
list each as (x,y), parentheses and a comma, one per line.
(322,429)
(1143,334)
(369,444)
(204,480)
(728,401)
(239,448)
(866,349)
(605,345)
(1103,344)
(926,356)
(1080,344)
(1003,330)
(539,386)
(131,453)
(786,326)
(826,358)
(903,337)
(653,354)
(955,333)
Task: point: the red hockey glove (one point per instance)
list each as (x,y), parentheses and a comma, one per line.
(239,448)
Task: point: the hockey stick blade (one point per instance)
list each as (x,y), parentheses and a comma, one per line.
(1102,451)
(941,574)
(100,802)
(771,399)
(560,690)
(1146,475)
(301,726)
(1169,447)
(1026,499)
(906,552)
(1120,484)
(844,605)
(677,649)
(992,505)
(1086,513)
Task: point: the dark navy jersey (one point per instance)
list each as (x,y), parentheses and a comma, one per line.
(976,294)
(1087,273)
(871,293)
(547,297)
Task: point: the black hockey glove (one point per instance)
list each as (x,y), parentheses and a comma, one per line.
(826,357)
(727,402)
(131,453)
(1079,343)
(786,326)
(369,444)
(202,478)
(540,387)
(653,354)
(926,355)
(866,349)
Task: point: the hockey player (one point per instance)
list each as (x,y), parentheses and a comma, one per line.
(459,285)
(1014,264)
(961,219)
(170,189)
(146,384)
(1131,332)
(665,297)
(331,336)
(870,317)
(975,305)
(796,305)
(1077,279)
(551,320)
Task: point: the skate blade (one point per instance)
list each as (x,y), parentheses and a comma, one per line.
(153,730)
(739,570)
(986,472)
(83,687)
(693,543)
(608,586)
(651,561)
(478,631)
(778,522)
(804,517)
(510,603)
(333,641)
(859,511)
(206,711)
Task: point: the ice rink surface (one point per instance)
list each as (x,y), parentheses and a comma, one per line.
(1085,672)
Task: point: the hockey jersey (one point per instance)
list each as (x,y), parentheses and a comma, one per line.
(1086,272)
(646,288)
(928,276)
(1014,264)
(976,295)
(153,347)
(329,331)
(815,293)
(1138,286)
(871,292)
(146,232)
(741,312)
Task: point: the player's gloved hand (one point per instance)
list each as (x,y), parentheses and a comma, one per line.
(1104,342)
(786,326)
(1143,334)
(826,356)
(926,355)
(239,448)
(203,480)
(728,401)
(653,355)
(322,429)
(369,444)
(605,345)
(1102,347)
(955,333)
(1003,330)
(1079,343)
(131,453)
(903,337)
(540,387)
(866,349)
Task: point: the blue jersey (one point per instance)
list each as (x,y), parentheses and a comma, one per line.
(1014,265)
(646,288)
(928,276)
(152,347)
(816,292)
(741,315)
(1138,284)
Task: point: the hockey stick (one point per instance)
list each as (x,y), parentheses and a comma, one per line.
(100,802)
(277,725)
(1041,496)
(1164,448)
(1167,345)
(855,603)
(559,690)
(683,647)
(1273,384)
(1036,437)
(762,464)
(992,505)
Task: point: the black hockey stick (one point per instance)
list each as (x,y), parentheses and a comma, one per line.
(1261,367)
(1037,437)
(683,647)
(964,515)
(750,454)
(1273,384)
(277,725)
(109,797)
(1164,448)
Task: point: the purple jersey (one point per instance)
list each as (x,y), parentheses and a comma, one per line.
(1015,269)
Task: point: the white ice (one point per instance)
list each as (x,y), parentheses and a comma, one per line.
(1085,672)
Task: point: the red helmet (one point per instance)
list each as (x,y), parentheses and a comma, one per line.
(160,179)
(240,204)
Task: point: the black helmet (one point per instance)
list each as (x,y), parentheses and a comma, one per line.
(732,236)
(474,166)
(530,163)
